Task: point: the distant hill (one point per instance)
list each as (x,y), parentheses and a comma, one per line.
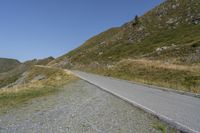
(8,64)
(12,70)
(44,61)
(168,34)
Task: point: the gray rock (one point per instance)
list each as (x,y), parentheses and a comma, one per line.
(174,6)
(39,77)
(171,20)
(196,20)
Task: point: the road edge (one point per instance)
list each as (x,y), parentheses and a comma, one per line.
(196,95)
(171,122)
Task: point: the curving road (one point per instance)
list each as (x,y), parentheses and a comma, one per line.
(181,111)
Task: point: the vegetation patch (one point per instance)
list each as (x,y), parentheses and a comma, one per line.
(167,37)
(179,77)
(160,127)
(54,80)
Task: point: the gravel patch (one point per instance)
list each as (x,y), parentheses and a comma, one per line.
(79,108)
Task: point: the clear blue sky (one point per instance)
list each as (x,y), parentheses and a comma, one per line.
(41,28)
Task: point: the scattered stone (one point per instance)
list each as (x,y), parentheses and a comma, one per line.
(110,66)
(164,48)
(20,81)
(171,20)
(141,28)
(196,21)
(193,58)
(100,53)
(173,6)
(158,49)
(39,77)
(103,43)
(173,45)
(161,49)
(94,64)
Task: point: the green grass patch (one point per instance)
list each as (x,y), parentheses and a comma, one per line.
(160,127)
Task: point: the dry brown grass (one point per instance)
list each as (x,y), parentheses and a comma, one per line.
(154,72)
(162,65)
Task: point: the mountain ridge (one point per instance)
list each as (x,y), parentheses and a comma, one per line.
(168,34)
(155,29)
(7,64)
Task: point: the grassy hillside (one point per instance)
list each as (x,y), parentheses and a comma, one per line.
(169,34)
(175,76)
(44,61)
(8,64)
(16,70)
(12,75)
(38,81)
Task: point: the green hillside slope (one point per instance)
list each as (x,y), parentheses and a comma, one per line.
(168,34)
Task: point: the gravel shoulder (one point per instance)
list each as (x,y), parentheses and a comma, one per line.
(79,108)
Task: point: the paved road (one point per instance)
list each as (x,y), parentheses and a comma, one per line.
(180,110)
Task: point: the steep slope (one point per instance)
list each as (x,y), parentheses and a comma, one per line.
(168,34)
(8,64)
(172,25)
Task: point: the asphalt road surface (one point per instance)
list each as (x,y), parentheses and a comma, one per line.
(181,111)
